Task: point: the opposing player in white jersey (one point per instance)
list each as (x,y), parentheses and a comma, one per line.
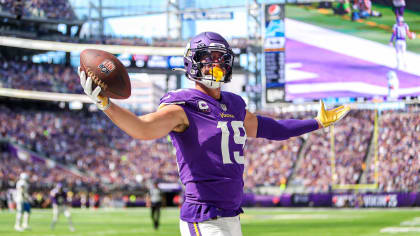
(400,32)
(23,206)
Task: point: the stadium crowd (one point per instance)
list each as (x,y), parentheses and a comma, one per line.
(40,174)
(398,152)
(351,143)
(40,77)
(90,143)
(271,163)
(45,9)
(83,141)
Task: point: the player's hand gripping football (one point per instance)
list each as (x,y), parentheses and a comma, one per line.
(101,102)
(329,117)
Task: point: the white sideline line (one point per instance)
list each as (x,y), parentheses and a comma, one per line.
(349,45)
(395,230)
(414,222)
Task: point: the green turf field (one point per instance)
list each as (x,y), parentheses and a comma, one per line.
(379,30)
(267,222)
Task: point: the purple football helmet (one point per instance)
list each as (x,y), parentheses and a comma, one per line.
(199,54)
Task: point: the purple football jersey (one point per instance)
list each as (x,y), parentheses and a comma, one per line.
(58,197)
(210,153)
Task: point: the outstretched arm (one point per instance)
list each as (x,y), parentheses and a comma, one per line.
(151,126)
(265,127)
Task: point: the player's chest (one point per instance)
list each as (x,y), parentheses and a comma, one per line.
(218,121)
(213,112)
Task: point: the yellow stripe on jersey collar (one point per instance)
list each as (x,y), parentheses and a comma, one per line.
(196,229)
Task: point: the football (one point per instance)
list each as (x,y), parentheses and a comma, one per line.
(107,72)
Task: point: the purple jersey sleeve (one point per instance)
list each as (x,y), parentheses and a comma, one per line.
(177,97)
(283,129)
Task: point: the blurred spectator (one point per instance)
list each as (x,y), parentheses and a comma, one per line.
(343,8)
(363,9)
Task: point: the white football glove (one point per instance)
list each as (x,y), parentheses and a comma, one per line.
(101,102)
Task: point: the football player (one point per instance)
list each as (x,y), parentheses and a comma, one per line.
(154,201)
(400,31)
(59,202)
(23,206)
(208,128)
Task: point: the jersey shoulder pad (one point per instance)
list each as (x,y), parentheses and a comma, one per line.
(176,97)
(234,98)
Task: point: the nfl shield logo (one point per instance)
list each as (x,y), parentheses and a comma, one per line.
(106,66)
(223,106)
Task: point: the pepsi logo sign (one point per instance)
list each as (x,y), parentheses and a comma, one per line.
(274,10)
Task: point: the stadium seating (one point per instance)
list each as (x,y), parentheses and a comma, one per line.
(44,9)
(89,142)
(92,144)
(40,77)
(352,138)
(399,148)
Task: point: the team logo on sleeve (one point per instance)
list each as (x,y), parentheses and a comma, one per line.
(203,106)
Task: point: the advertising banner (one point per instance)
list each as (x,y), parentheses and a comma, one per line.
(274,52)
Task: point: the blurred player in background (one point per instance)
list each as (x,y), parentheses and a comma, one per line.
(154,201)
(208,128)
(393,86)
(23,206)
(59,203)
(400,31)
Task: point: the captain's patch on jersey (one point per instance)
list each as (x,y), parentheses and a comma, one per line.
(203,106)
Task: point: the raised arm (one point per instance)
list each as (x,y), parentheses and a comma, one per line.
(151,126)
